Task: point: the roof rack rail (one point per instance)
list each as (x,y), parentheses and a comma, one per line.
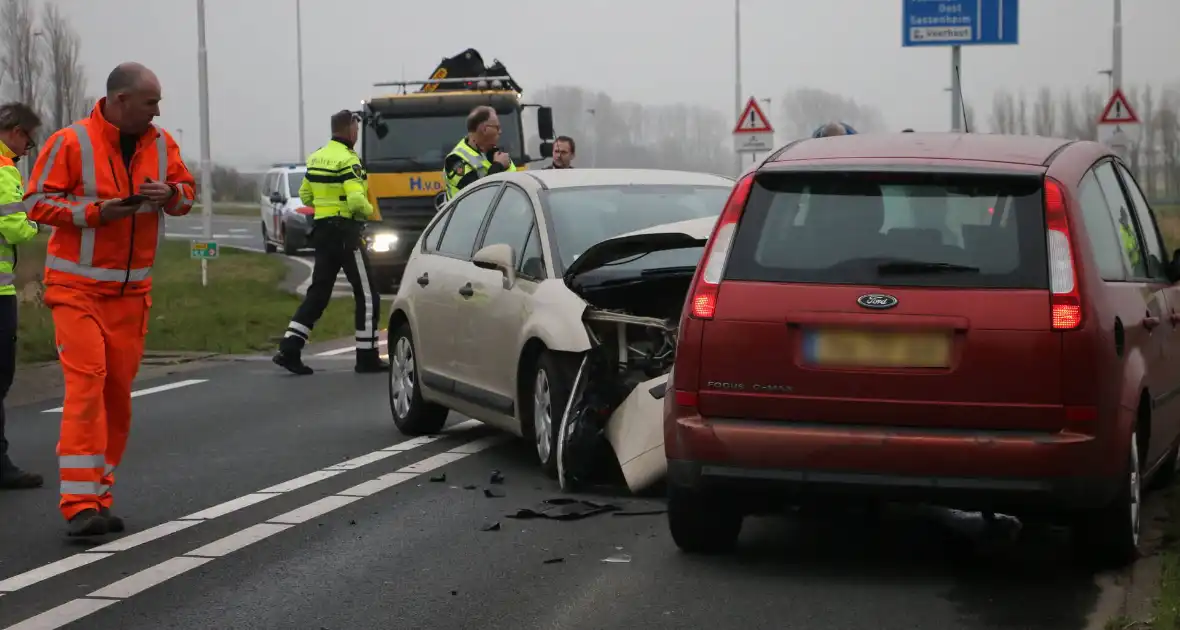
(503,79)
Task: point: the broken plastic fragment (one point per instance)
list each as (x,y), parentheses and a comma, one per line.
(620,558)
(439,478)
(497,477)
(493,494)
(564,509)
(554,560)
(470,487)
(650,512)
(490,527)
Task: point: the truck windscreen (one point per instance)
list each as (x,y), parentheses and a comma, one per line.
(422,142)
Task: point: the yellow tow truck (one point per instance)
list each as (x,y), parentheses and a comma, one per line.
(407,135)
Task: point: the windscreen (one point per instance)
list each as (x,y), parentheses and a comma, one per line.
(587,215)
(893,229)
(422,142)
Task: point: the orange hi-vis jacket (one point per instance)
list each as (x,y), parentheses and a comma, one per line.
(82,166)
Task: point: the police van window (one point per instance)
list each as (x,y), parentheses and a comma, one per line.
(510,220)
(459,238)
(1151,237)
(269,184)
(1100,231)
(532,261)
(294,181)
(1120,213)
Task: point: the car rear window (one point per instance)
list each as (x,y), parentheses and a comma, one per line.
(892,229)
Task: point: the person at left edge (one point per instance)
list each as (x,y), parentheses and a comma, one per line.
(18,126)
(98,275)
(335,185)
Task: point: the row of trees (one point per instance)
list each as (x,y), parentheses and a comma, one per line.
(40,60)
(1074,114)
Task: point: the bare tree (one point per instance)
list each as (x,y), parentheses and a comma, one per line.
(18,41)
(1003,113)
(805,109)
(66,84)
(1044,113)
(1022,114)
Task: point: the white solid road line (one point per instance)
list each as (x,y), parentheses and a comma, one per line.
(69,563)
(346,349)
(151,390)
(136,583)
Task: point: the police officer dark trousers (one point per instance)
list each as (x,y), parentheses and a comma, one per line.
(335,185)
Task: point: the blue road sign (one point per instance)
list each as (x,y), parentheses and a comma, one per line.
(959,22)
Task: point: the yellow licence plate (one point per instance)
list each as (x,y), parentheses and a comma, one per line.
(878,349)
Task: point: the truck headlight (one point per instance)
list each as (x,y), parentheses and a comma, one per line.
(383,241)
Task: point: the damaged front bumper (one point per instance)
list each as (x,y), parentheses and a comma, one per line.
(616,400)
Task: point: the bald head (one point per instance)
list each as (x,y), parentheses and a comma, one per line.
(133,97)
(832,129)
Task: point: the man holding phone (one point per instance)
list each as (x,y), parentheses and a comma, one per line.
(104,184)
(477,155)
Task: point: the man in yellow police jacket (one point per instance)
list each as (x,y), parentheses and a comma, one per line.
(477,154)
(336,187)
(18,127)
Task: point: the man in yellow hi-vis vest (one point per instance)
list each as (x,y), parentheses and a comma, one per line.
(336,186)
(18,126)
(477,155)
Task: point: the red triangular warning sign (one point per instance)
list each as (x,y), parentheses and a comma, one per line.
(1118,111)
(753,120)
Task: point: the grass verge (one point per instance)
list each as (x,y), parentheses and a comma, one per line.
(232,210)
(243,310)
(1167,604)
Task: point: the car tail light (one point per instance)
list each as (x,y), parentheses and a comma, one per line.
(1066,300)
(305,211)
(704,293)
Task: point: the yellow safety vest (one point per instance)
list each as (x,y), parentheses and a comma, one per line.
(1129,244)
(476,160)
(15,227)
(336,183)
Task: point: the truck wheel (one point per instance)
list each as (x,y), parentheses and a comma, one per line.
(1109,537)
(702,522)
(266,244)
(411,414)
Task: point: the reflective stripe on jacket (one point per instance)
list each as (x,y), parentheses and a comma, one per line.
(336,183)
(14,223)
(82,166)
(476,160)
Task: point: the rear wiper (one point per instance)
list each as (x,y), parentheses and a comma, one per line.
(667,271)
(917,266)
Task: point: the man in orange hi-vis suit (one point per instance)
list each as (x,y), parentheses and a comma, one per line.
(104,184)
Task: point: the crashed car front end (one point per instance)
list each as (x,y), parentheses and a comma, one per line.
(616,399)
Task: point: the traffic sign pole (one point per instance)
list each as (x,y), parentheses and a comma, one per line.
(206,159)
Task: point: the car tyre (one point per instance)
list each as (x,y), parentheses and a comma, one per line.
(290,246)
(550,380)
(411,414)
(1109,537)
(702,522)
(268,246)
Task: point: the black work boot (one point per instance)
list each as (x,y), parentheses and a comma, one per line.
(13,478)
(88,522)
(292,362)
(114,523)
(370,362)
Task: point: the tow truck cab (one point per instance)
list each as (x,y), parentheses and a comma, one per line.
(406,139)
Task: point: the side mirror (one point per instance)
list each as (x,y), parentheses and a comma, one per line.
(497,257)
(276,197)
(545,122)
(546,150)
(381,129)
(439,200)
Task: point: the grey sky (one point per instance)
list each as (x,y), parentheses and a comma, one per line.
(650,51)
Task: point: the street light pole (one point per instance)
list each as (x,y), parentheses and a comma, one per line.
(737,72)
(299,65)
(206,158)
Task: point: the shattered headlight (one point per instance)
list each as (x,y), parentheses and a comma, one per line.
(382,241)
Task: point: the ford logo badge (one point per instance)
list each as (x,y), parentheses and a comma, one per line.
(877,301)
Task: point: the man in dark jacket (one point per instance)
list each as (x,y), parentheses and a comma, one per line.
(564,151)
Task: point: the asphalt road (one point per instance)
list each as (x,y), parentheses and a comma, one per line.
(245,233)
(256,499)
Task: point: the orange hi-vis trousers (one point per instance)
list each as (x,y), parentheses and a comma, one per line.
(100,345)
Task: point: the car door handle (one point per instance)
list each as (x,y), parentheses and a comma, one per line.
(424,279)
(466,290)
(1151,322)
